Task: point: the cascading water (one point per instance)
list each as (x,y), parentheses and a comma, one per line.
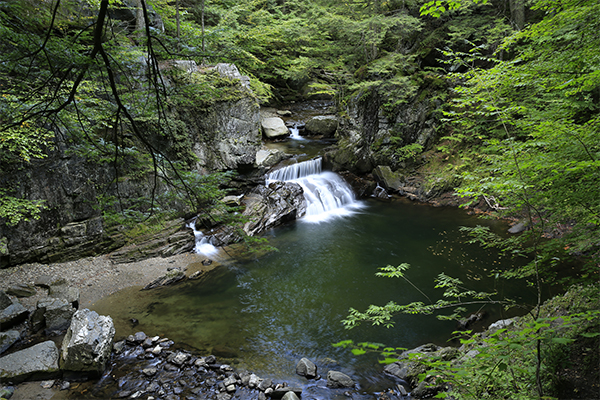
(326,193)
(203,245)
(295,134)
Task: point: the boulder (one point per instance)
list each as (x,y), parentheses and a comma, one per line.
(36,362)
(387,178)
(324,125)
(12,315)
(274,127)
(53,314)
(266,158)
(336,379)
(88,342)
(7,339)
(306,368)
(267,207)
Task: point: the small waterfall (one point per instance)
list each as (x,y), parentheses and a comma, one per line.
(327,194)
(203,245)
(295,134)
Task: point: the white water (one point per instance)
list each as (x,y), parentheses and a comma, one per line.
(295,134)
(327,194)
(203,245)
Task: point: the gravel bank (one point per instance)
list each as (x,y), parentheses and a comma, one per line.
(97,277)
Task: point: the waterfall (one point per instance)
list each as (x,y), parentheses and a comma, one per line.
(295,134)
(203,245)
(327,194)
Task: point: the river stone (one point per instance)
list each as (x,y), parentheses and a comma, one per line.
(306,368)
(7,339)
(274,127)
(325,125)
(88,342)
(336,379)
(5,301)
(290,396)
(37,362)
(280,392)
(21,290)
(12,315)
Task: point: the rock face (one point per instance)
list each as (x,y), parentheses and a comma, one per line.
(365,134)
(274,127)
(324,125)
(88,342)
(270,206)
(224,136)
(36,362)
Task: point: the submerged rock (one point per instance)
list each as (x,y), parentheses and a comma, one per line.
(306,368)
(36,362)
(336,379)
(171,277)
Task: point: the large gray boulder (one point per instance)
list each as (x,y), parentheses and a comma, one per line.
(267,207)
(266,158)
(336,379)
(36,362)
(274,127)
(88,342)
(325,125)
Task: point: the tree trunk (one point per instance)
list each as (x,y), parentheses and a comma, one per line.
(517,13)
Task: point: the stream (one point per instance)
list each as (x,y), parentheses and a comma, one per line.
(264,315)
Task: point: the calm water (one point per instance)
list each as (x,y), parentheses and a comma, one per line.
(272,311)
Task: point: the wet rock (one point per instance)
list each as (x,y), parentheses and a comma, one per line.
(178,358)
(306,368)
(136,338)
(169,278)
(149,371)
(119,346)
(324,125)
(12,315)
(5,301)
(267,207)
(254,381)
(290,396)
(7,392)
(336,379)
(265,384)
(88,342)
(21,290)
(36,362)
(274,127)
(7,339)
(280,392)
